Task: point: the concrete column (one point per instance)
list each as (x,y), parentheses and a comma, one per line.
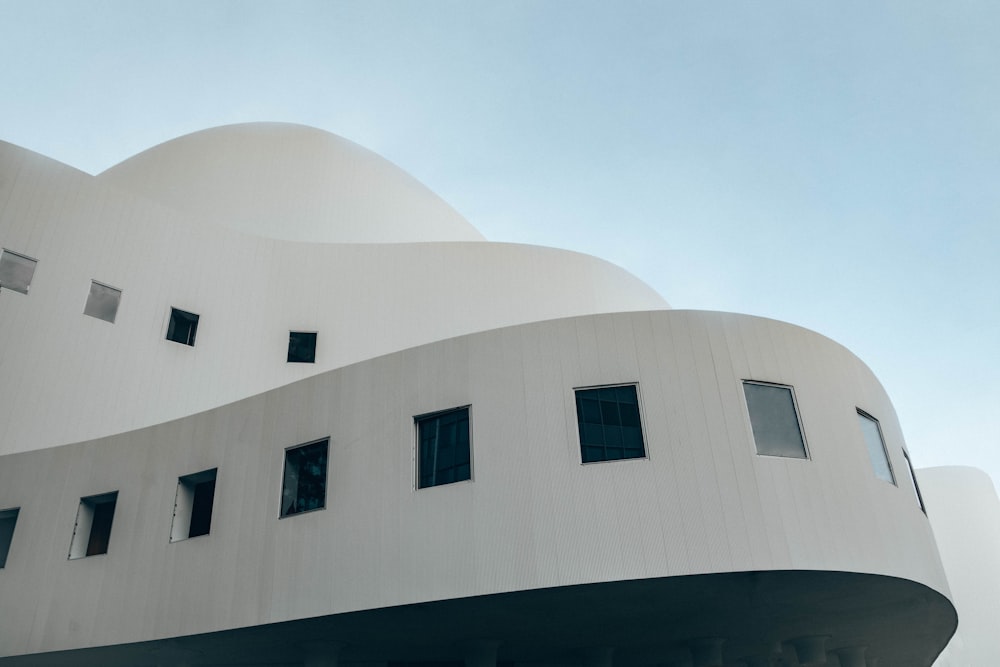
(851,656)
(810,650)
(482,653)
(706,651)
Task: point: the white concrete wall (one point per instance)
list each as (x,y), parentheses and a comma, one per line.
(533,516)
(69,377)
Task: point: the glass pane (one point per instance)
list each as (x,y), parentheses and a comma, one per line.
(775,425)
(8,519)
(609,423)
(302,347)
(304,485)
(445,452)
(876,448)
(102,302)
(16,271)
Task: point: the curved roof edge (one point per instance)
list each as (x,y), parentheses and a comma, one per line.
(290,182)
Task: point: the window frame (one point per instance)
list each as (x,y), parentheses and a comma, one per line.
(885,450)
(80,546)
(798,419)
(90,293)
(579,423)
(192,332)
(914,483)
(315,341)
(185,499)
(326,478)
(34,267)
(7,540)
(427,416)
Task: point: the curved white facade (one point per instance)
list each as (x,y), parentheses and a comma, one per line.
(699,552)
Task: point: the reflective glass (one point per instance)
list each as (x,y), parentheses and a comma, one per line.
(304,486)
(102,302)
(609,424)
(876,447)
(775,423)
(16,271)
(444,453)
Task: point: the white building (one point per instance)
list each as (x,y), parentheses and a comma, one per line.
(266,400)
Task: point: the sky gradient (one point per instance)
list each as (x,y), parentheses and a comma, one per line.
(833,165)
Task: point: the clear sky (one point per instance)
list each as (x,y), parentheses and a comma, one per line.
(831,164)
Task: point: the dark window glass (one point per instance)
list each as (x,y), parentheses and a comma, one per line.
(876,447)
(444,452)
(201,508)
(304,486)
(16,271)
(183,327)
(774,420)
(610,427)
(302,347)
(102,302)
(100,528)
(8,519)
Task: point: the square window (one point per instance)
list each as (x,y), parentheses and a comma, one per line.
(303,488)
(8,519)
(16,271)
(774,420)
(102,302)
(444,453)
(183,327)
(302,347)
(609,423)
(92,532)
(193,505)
(876,447)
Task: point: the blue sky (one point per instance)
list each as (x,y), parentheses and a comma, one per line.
(831,164)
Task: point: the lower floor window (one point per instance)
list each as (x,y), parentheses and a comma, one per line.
(610,427)
(443,448)
(93,525)
(303,488)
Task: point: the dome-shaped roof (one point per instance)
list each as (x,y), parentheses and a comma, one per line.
(290,182)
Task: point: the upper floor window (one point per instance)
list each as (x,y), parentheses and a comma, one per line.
(876,447)
(303,487)
(182,327)
(913,480)
(774,419)
(444,452)
(609,423)
(16,271)
(302,347)
(102,301)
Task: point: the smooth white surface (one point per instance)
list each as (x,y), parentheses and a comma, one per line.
(69,377)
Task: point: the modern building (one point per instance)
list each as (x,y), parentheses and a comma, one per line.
(266,400)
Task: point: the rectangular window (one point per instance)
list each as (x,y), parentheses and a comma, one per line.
(444,453)
(93,525)
(876,446)
(913,480)
(16,271)
(774,419)
(303,487)
(301,347)
(102,302)
(193,505)
(8,519)
(183,326)
(610,427)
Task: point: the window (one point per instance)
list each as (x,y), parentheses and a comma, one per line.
(102,302)
(183,327)
(16,271)
(443,449)
(774,420)
(302,347)
(304,486)
(8,519)
(876,447)
(913,480)
(610,428)
(93,525)
(193,505)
